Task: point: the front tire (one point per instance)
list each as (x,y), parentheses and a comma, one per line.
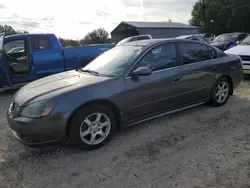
(221,92)
(92,127)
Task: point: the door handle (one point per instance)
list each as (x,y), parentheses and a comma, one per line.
(177,79)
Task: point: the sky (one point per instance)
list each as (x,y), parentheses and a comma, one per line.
(75,18)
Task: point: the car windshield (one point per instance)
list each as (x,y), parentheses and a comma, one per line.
(228,38)
(115,61)
(246,41)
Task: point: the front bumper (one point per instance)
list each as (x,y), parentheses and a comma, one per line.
(36,132)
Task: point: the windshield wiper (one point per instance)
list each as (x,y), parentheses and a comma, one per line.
(90,71)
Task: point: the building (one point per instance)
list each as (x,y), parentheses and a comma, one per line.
(156,29)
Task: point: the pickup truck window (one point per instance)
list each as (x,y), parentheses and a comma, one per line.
(40,43)
(14,46)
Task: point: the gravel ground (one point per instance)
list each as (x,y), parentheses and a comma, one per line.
(199,148)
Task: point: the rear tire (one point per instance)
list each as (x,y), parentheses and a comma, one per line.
(92,127)
(221,92)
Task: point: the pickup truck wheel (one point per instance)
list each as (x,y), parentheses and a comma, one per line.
(92,127)
(221,92)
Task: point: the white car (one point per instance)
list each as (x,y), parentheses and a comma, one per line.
(193,37)
(242,50)
(134,38)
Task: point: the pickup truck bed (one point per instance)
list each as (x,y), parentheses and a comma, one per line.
(80,56)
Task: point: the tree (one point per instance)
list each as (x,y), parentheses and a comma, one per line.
(220,16)
(97,36)
(8,30)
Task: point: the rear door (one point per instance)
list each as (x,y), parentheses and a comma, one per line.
(199,66)
(47,59)
(4,71)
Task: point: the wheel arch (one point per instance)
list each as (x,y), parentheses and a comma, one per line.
(104,102)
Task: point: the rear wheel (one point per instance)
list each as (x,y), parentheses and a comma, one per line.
(92,127)
(221,92)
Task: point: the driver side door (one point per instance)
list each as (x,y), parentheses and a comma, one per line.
(158,92)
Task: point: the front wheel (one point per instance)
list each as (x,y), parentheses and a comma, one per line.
(92,127)
(221,92)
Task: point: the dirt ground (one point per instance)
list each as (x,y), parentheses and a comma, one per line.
(199,148)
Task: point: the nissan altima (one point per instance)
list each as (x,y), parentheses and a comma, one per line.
(126,85)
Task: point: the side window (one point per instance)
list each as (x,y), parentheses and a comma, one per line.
(15,46)
(192,53)
(40,43)
(242,37)
(159,58)
(134,39)
(212,53)
(194,38)
(144,37)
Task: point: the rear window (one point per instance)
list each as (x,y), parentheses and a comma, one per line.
(134,39)
(41,43)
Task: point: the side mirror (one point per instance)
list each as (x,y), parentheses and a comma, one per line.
(142,71)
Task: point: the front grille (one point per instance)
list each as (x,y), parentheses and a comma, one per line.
(245,58)
(13,109)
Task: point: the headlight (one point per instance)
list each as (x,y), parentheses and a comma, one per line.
(38,109)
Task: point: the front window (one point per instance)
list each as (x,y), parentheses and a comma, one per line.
(159,58)
(115,61)
(15,46)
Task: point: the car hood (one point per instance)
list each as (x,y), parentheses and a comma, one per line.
(239,50)
(52,86)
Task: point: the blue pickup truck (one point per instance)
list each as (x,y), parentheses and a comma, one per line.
(27,57)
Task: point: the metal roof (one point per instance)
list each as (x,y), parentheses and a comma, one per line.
(158,25)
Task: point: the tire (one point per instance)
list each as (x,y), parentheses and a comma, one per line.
(85,121)
(217,92)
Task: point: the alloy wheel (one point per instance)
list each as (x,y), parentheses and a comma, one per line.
(95,128)
(222,92)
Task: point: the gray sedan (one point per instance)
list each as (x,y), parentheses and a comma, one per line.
(124,86)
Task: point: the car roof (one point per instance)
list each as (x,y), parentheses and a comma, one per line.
(24,35)
(152,42)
